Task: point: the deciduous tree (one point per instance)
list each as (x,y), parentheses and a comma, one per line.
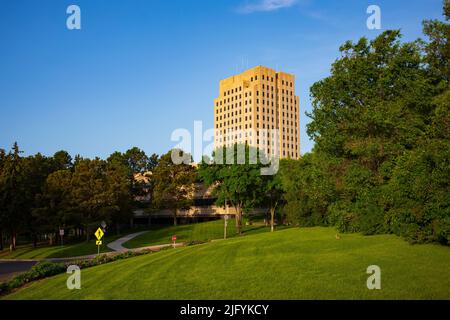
(235,183)
(173,184)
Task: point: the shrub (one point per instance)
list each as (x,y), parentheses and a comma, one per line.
(342,217)
(372,220)
(39,271)
(46,269)
(195,242)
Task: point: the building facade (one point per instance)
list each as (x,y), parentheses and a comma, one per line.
(259,107)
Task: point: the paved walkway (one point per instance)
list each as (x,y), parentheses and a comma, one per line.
(11,267)
(117,244)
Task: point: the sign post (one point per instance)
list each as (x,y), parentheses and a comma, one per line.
(225,224)
(61,234)
(174,239)
(99,235)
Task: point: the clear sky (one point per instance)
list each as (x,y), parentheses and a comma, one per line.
(139,69)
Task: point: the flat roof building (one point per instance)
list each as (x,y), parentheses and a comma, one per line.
(259,107)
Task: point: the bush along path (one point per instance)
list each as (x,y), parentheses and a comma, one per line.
(46,269)
(50,267)
(13,268)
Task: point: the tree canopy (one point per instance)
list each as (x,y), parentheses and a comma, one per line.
(380,123)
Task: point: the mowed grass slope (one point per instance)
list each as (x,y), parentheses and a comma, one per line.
(288,264)
(157,235)
(204,231)
(58,251)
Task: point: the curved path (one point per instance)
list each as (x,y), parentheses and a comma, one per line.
(12,267)
(117,244)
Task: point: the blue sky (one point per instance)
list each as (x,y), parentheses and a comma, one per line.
(139,69)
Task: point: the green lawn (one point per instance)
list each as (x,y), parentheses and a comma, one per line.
(293,263)
(57,251)
(157,235)
(190,232)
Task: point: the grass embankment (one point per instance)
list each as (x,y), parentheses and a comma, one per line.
(58,251)
(288,264)
(204,231)
(157,235)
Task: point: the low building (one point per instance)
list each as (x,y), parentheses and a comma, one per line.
(203,209)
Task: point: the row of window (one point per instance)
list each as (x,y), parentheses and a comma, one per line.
(231,91)
(269,110)
(228,123)
(267,95)
(269,118)
(230,131)
(267,78)
(264,141)
(268,140)
(288,92)
(291,154)
(270,148)
(282,99)
(227,115)
(219,125)
(239,120)
(233,106)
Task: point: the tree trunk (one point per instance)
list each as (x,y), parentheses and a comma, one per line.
(272,218)
(238,219)
(1,240)
(87,233)
(175,217)
(13,240)
(35,240)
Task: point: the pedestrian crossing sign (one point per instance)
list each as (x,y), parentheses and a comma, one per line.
(99,233)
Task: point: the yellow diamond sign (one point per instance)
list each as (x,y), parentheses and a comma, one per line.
(99,233)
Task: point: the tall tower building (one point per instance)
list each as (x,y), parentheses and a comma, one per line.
(259,107)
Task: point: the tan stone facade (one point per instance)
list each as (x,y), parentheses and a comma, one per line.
(259,107)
